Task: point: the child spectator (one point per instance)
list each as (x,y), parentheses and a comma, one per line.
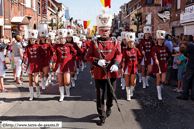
(2,68)
(175,66)
(181,65)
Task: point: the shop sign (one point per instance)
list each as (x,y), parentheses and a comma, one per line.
(44,8)
(187,17)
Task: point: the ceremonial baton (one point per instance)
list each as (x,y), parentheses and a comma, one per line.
(158,66)
(112,91)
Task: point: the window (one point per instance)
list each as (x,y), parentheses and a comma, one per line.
(38,8)
(149,1)
(178,4)
(28,3)
(34,5)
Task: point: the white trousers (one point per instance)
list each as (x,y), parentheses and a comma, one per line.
(18,63)
(9,55)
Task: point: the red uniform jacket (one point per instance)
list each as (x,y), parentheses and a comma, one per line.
(131,56)
(138,47)
(49,50)
(63,57)
(160,53)
(84,50)
(123,46)
(35,53)
(146,46)
(88,43)
(54,48)
(110,51)
(75,46)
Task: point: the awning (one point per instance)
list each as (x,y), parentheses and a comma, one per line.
(20,20)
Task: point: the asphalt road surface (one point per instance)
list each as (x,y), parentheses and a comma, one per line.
(78,111)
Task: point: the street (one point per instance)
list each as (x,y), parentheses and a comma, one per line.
(78,111)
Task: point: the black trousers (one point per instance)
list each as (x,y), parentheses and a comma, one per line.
(188,83)
(101,86)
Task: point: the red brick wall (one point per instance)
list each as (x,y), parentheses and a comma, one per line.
(18,9)
(156,22)
(174,11)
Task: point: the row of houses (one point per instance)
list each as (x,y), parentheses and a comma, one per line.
(18,16)
(175,20)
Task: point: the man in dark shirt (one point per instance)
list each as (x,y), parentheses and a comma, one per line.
(189,73)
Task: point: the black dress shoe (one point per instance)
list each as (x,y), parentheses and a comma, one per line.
(101,122)
(181,97)
(108,112)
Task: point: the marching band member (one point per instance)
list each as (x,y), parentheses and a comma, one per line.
(46,60)
(77,58)
(111,54)
(54,47)
(69,40)
(51,38)
(123,47)
(84,47)
(131,56)
(140,37)
(63,64)
(34,54)
(159,54)
(146,47)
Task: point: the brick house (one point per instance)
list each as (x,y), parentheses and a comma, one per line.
(150,10)
(22,15)
(176,10)
(187,17)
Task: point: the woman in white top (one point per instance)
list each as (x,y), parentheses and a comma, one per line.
(18,57)
(2,68)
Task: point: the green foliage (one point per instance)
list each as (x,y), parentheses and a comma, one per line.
(61,26)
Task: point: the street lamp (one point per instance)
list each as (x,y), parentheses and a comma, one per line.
(52,15)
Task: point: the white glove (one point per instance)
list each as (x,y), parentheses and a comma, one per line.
(114,68)
(102,62)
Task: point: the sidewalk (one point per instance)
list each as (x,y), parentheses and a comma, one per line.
(7,99)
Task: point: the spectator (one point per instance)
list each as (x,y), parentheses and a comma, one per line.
(6,40)
(168,43)
(2,68)
(18,57)
(189,73)
(186,38)
(13,62)
(2,40)
(193,37)
(181,67)
(174,42)
(175,66)
(190,39)
(9,50)
(180,40)
(169,61)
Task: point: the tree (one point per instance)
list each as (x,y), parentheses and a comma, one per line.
(138,20)
(61,26)
(58,10)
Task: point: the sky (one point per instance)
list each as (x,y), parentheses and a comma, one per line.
(87,10)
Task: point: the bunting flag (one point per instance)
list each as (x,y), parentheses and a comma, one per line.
(106,3)
(86,24)
(89,32)
(95,29)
